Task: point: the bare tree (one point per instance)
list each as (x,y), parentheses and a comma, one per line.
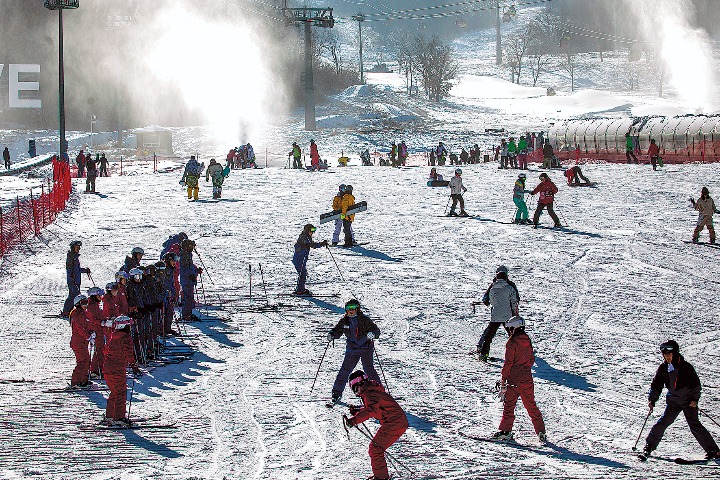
(436,67)
(515,48)
(326,42)
(545,29)
(405,58)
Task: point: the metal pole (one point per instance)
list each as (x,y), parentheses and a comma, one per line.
(360,18)
(262,277)
(309,87)
(498,38)
(321,362)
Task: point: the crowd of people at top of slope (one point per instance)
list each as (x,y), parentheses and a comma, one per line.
(241,157)
(122,324)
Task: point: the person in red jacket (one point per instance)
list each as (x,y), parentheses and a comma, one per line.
(654,153)
(547,190)
(96,317)
(81,337)
(574,174)
(377,403)
(314,155)
(119,353)
(517,381)
(122,278)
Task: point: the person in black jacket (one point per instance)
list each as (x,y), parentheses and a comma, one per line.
(302,252)
(683,395)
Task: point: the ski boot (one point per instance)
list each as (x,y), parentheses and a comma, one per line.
(503,436)
(542,436)
(645,454)
(452,214)
(484,357)
(464,214)
(712,454)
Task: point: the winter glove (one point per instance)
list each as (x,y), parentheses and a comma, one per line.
(348,422)
(330,336)
(370,336)
(199,271)
(324,243)
(354,409)
(692,200)
(651,405)
(92,337)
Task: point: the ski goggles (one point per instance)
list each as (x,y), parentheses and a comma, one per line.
(354,383)
(313,229)
(667,348)
(351,307)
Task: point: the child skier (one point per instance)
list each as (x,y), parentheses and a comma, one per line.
(456,190)
(359,333)
(683,385)
(706,208)
(547,190)
(300,257)
(119,353)
(79,341)
(503,298)
(517,381)
(378,404)
(95,315)
(337,206)
(190,177)
(574,174)
(519,191)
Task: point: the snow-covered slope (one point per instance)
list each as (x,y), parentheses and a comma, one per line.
(600,297)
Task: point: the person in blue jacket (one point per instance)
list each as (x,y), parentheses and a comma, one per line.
(302,252)
(73,271)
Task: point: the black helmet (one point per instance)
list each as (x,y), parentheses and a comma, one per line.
(671,346)
(356,379)
(348,188)
(309,227)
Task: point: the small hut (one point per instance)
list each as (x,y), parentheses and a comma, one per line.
(154,139)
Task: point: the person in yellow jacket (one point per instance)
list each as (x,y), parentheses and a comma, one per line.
(348,200)
(337,206)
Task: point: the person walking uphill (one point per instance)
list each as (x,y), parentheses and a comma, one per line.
(706,208)
(378,404)
(119,353)
(683,385)
(302,251)
(359,333)
(456,190)
(218,173)
(547,190)
(503,298)
(190,177)
(188,278)
(517,381)
(519,191)
(73,271)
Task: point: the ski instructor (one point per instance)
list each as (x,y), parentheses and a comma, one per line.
(302,252)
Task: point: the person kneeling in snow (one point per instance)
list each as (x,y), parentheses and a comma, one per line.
(377,403)
(574,174)
(517,381)
(119,353)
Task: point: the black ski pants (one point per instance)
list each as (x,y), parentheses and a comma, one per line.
(672,411)
(457,198)
(577,175)
(630,153)
(487,337)
(347,224)
(550,210)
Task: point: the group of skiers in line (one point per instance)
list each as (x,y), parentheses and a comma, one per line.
(241,157)
(122,325)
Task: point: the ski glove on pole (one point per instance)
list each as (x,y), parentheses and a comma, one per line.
(370,336)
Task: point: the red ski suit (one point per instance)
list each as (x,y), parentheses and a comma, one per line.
(96,317)
(516,373)
(393,423)
(314,155)
(121,300)
(119,353)
(80,324)
(547,190)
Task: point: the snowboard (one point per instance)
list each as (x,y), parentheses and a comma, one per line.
(707,244)
(335,214)
(591,184)
(438,183)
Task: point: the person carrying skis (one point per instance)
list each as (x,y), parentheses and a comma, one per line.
(103,165)
(360,332)
(378,404)
(547,190)
(190,177)
(706,208)
(654,153)
(503,298)
(300,257)
(456,190)
(574,174)
(91,167)
(314,155)
(296,153)
(79,341)
(119,354)
(337,206)
(73,272)
(683,385)
(348,200)
(188,278)
(519,191)
(517,381)
(95,316)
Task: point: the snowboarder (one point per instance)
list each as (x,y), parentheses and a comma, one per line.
(91,168)
(190,177)
(348,200)
(654,153)
(517,381)
(296,153)
(188,278)
(337,206)
(630,148)
(103,166)
(706,208)
(218,174)
(80,161)
(119,353)
(300,257)
(684,388)
(574,174)
(95,316)
(79,341)
(456,190)
(503,298)
(73,271)
(548,154)
(547,190)
(314,156)
(359,331)
(6,158)
(519,191)
(378,404)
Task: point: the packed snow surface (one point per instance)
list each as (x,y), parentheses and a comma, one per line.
(599,297)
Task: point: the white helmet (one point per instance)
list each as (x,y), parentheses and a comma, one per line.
(121,322)
(95,291)
(80,298)
(136,273)
(137,250)
(515,322)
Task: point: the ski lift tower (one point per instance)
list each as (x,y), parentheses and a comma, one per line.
(60,5)
(319,17)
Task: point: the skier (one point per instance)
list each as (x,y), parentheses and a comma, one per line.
(79,342)
(517,381)
(365,158)
(111,302)
(503,298)
(121,278)
(706,208)
(519,191)
(548,154)
(6,158)
(95,316)
(91,168)
(360,331)
(630,148)
(190,177)
(188,278)
(456,190)
(378,404)
(348,200)
(314,156)
(119,353)
(337,206)
(218,174)
(547,190)
(403,153)
(300,257)
(574,174)
(503,154)
(653,153)
(73,271)
(80,161)
(684,388)
(133,260)
(296,153)
(512,152)
(103,166)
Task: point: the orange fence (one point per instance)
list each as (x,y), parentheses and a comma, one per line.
(30,215)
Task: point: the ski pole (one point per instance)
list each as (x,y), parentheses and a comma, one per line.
(202,287)
(446,205)
(641,430)
(708,416)
(320,365)
(382,370)
(250,274)
(262,277)
(132,390)
(205,270)
(336,265)
(91,279)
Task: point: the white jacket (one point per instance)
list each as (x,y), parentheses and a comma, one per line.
(456,186)
(503,301)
